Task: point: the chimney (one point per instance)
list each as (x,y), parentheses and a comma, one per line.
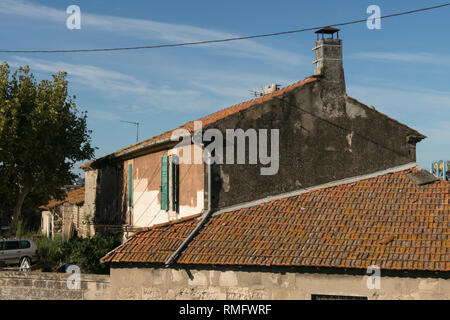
(329,58)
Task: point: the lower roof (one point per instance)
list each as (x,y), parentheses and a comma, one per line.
(75,197)
(386,220)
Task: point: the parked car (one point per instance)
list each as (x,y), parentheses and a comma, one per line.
(16,251)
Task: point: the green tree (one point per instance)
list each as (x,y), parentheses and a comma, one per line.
(42,136)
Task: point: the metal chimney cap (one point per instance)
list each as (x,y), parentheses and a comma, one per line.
(327,30)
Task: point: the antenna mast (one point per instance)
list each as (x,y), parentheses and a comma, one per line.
(137,128)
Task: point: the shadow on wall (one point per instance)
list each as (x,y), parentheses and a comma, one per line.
(110,200)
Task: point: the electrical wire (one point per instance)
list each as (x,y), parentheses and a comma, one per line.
(227,39)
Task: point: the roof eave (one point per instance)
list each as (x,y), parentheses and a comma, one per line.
(137,150)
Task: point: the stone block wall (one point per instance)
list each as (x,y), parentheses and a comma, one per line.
(195,284)
(51,286)
(74,219)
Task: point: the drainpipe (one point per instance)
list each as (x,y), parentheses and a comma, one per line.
(206,215)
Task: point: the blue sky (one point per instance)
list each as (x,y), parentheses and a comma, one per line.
(403,69)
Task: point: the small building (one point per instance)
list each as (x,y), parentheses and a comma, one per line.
(67,217)
(379,236)
(346,205)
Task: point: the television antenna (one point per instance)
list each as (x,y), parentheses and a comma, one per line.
(256,94)
(137,128)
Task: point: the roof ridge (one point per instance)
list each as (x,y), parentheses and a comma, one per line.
(239,106)
(386,116)
(54,203)
(348,227)
(169,223)
(266,96)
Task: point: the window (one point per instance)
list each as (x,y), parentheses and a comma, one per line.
(170,181)
(164,183)
(1,245)
(175,189)
(24,244)
(333,297)
(12,245)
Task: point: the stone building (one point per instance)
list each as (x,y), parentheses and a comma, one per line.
(346,203)
(324,135)
(319,242)
(66,217)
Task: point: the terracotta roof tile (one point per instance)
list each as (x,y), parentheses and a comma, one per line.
(74,197)
(350,226)
(155,244)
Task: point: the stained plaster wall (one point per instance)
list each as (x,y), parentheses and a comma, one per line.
(196,284)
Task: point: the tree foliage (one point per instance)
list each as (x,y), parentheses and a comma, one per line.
(85,252)
(42,136)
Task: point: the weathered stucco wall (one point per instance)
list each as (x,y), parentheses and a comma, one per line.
(106,190)
(90,196)
(163,283)
(323,136)
(104,202)
(46,223)
(74,221)
(110,204)
(51,286)
(66,220)
(192,187)
(147,183)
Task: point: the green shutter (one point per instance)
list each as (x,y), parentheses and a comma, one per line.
(130,185)
(164,183)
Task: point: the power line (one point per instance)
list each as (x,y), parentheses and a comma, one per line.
(226,39)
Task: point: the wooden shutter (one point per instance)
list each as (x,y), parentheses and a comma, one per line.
(130,185)
(175,183)
(164,183)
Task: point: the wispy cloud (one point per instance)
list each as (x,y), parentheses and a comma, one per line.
(154,30)
(200,91)
(436,146)
(104,115)
(92,76)
(235,84)
(419,57)
(440,131)
(113,85)
(405,99)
